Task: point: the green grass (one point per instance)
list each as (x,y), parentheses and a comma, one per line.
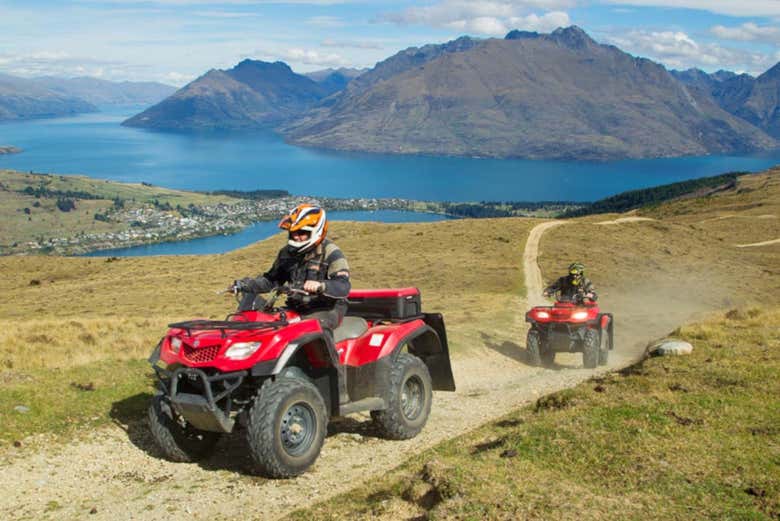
(63,401)
(668,438)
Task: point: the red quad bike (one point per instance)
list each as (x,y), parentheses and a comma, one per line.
(569,326)
(278,379)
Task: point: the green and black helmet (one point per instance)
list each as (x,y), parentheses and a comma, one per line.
(576,272)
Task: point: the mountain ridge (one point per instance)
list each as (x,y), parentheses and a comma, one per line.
(253,94)
(539,96)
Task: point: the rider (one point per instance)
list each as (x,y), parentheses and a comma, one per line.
(309,262)
(574,285)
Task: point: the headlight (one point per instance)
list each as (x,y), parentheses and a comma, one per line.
(242,350)
(175,345)
(542,314)
(580,315)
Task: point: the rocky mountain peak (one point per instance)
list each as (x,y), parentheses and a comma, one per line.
(572,37)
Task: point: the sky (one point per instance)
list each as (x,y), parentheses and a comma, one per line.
(175,41)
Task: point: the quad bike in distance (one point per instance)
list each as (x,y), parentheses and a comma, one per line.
(278,378)
(570,325)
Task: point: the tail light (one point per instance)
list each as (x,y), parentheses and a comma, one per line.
(542,314)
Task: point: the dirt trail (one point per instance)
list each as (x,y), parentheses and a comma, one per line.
(753,245)
(622,220)
(117,473)
(533,274)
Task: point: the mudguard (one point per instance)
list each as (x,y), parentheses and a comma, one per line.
(429,343)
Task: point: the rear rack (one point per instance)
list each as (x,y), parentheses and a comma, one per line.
(223,325)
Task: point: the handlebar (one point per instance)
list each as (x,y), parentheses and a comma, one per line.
(576,299)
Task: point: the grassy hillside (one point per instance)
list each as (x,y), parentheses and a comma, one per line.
(668,438)
(632,199)
(70,322)
(74,331)
(29,205)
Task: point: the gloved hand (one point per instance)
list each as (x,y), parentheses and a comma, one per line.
(241,285)
(313,286)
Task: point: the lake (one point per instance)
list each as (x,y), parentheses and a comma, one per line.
(96,145)
(256,232)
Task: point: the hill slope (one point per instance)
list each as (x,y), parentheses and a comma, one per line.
(94,321)
(760,104)
(102,92)
(560,95)
(252,94)
(24,99)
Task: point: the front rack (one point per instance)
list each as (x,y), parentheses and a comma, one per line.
(223,325)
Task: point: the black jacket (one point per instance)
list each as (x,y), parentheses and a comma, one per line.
(568,290)
(325,263)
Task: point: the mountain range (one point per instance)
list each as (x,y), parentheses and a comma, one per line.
(756,100)
(551,96)
(554,96)
(21,98)
(48,96)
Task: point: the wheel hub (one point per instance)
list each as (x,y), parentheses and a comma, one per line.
(297,429)
(412,398)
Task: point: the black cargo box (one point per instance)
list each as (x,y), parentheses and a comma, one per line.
(385,303)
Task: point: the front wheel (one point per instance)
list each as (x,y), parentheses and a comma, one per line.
(408,399)
(179,441)
(590,348)
(286,427)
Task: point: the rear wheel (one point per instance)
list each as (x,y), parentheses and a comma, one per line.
(604,341)
(408,400)
(533,347)
(286,427)
(179,441)
(590,348)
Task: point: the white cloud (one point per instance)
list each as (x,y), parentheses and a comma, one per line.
(487,17)
(224,14)
(678,50)
(59,63)
(312,57)
(351,44)
(742,8)
(226,2)
(748,32)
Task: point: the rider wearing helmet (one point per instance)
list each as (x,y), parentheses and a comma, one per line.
(574,285)
(309,262)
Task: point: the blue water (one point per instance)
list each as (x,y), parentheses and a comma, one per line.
(96,145)
(254,233)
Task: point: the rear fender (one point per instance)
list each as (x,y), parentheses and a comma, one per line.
(429,343)
(605,320)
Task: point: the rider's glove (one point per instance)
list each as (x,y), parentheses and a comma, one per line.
(242,285)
